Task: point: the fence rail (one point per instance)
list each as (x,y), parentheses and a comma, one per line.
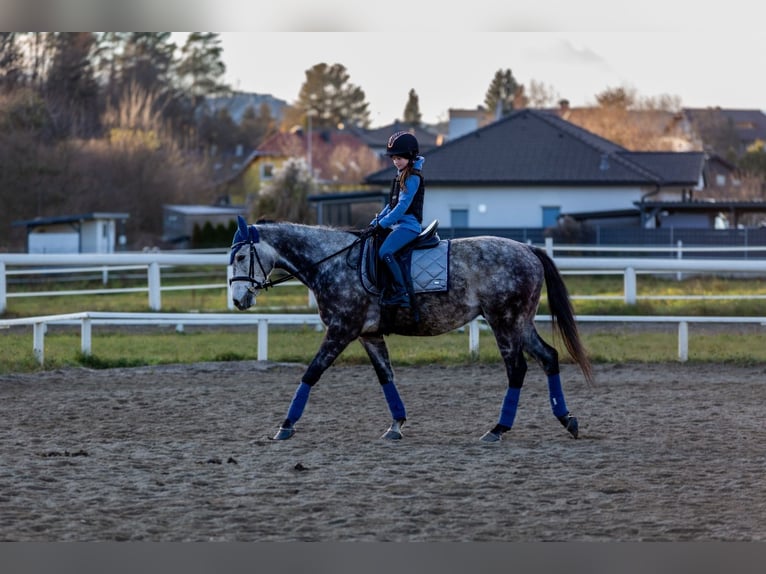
(154,262)
(87,319)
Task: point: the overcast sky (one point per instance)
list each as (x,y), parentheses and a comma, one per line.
(455,71)
(706,53)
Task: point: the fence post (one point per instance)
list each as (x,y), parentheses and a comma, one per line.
(679,255)
(549,246)
(683,341)
(38,341)
(630,286)
(263,340)
(3,289)
(473,339)
(229,300)
(155,296)
(86,336)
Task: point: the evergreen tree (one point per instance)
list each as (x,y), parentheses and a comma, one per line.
(201,69)
(500,95)
(70,89)
(412,113)
(327,91)
(11,71)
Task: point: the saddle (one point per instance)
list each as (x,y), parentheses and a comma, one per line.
(423,262)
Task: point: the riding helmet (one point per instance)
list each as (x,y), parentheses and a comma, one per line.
(403,144)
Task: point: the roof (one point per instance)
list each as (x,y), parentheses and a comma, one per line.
(96,215)
(324,144)
(377,138)
(750,125)
(206,209)
(533,147)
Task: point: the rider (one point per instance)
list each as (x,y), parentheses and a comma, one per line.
(403,214)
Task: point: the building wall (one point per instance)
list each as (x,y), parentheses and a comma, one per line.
(522,207)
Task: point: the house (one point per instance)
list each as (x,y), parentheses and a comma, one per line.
(726,131)
(377,138)
(179,223)
(531,167)
(86,233)
(338,159)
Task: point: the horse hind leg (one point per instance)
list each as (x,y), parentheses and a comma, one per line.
(516,369)
(548,359)
(377,351)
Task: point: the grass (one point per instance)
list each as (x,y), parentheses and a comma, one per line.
(114,347)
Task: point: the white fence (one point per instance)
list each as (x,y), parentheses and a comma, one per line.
(155,261)
(87,319)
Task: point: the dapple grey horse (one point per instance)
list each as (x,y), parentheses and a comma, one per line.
(493,277)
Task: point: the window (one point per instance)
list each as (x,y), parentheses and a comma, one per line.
(551,215)
(458,217)
(267,171)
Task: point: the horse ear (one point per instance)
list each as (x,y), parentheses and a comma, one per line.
(242,225)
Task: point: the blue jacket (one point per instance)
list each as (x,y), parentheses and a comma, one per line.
(397,217)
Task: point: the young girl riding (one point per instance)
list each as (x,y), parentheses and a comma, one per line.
(403,215)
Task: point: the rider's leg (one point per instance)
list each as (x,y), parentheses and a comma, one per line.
(393,243)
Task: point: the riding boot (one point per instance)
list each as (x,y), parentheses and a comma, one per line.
(399,297)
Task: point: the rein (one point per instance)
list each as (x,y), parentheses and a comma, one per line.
(256,285)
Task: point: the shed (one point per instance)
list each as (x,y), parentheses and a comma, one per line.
(178,221)
(95,232)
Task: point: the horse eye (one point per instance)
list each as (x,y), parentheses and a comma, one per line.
(240,257)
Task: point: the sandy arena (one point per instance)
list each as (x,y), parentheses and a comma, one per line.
(667,452)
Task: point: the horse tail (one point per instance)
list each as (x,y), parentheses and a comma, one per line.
(562,313)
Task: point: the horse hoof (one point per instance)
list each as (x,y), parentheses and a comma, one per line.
(570,423)
(394,432)
(391,434)
(490,436)
(284,433)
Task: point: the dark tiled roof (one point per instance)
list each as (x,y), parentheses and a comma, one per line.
(750,125)
(378,137)
(532,147)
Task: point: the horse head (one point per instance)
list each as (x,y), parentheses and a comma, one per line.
(252,261)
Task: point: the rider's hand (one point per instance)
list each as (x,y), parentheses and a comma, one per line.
(371,230)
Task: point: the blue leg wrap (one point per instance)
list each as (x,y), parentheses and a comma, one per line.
(557,396)
(395,404)
(510,404)
(298,403)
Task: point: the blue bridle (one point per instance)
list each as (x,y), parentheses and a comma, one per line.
(248,235)
(240,240)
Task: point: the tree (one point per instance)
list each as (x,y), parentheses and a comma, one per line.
(616,98)
(412,113)
(285,197)
(328,92)
(201,69)
(11,72)
(70,89)
(541,95)
(501,92)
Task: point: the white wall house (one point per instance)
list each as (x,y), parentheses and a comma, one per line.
(489,207)
(86,233)
(530,167)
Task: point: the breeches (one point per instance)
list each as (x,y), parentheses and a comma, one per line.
(395,241)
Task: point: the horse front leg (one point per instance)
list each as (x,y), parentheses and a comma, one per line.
(376,349)
(332,345)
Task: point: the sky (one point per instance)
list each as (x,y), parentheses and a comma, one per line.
(449,73)
(706,54)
